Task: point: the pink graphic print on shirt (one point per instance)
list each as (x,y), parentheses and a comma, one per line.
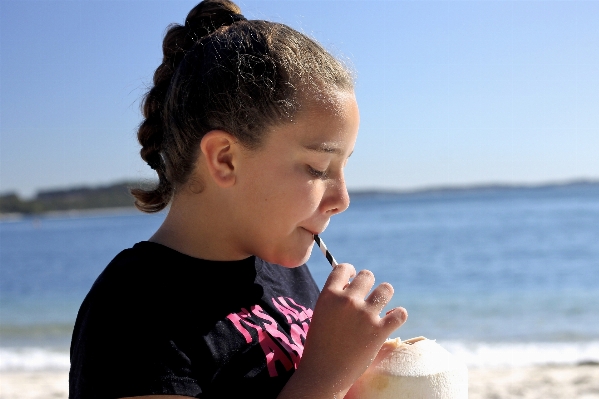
(277,346)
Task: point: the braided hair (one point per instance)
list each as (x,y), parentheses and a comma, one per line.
(221,71)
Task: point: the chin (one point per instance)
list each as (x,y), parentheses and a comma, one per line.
(287,259)
(291,251)
(289,262)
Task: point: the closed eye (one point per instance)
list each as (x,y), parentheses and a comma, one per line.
(319,174)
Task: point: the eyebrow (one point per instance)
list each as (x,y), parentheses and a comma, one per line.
(326,148)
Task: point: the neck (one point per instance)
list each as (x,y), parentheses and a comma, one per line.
(199,225)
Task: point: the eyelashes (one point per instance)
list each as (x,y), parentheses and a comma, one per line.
(319,174)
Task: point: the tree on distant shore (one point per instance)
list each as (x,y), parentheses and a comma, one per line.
(79,198)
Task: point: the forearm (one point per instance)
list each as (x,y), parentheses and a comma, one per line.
(312,386)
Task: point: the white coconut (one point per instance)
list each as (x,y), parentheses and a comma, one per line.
(418,368)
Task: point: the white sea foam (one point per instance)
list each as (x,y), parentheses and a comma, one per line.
(33,359)
(475,354)
(488,355)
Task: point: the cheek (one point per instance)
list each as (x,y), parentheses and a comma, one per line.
(297,200)
(308,198)
(283,192)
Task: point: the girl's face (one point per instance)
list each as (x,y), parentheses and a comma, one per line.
(290,187)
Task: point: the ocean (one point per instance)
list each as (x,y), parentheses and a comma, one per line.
(501,277)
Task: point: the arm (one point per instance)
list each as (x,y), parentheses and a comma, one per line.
(159,397)
(345,335)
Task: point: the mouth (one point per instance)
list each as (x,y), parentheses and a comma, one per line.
(316,232)
(310,231)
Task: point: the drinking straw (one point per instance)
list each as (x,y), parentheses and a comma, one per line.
(324,250)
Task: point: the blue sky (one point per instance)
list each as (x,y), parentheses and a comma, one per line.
(450,92)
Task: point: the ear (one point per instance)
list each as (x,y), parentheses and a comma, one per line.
(219,150)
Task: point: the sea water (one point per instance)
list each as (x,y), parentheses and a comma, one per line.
(500,277)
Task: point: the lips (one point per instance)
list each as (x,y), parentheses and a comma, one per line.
(317,227)
(310,231)
(315,231)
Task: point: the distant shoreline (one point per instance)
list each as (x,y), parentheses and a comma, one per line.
(70,212)
(84,198)
(472,188)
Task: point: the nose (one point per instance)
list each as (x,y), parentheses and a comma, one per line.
(336,198)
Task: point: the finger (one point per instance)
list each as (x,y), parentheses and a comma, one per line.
(362,283)
(394,319)
(340,275)
(380,297)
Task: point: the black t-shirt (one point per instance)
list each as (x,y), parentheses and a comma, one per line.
(160,322)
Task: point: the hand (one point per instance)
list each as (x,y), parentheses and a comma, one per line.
(346,333)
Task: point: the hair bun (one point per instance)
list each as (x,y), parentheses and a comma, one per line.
(210,15)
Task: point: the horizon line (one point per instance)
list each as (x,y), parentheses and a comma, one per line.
(358,191)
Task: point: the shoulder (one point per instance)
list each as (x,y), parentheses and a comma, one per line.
(142,270)
(122,280)
(147,281)
(124,330)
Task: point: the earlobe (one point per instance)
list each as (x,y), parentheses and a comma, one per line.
(217,148)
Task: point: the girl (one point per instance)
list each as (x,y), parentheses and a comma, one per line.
(248,125)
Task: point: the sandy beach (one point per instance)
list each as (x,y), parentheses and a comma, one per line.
(34,384)
(549,382)
(546,382)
